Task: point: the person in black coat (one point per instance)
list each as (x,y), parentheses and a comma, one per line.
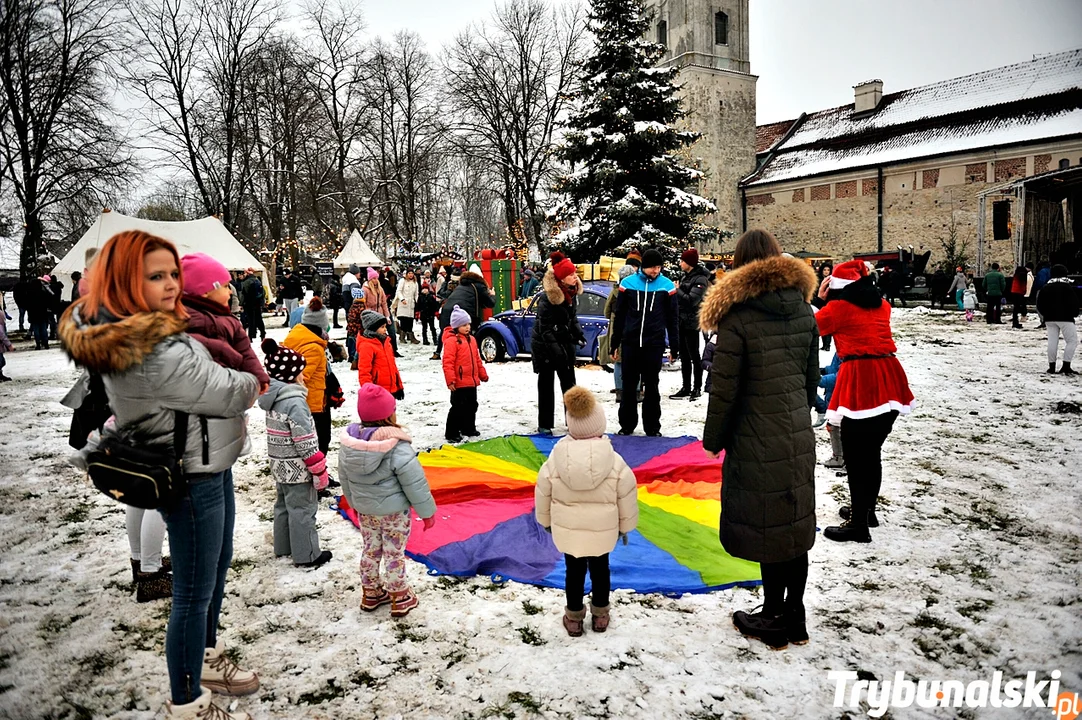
(19,293)
(40,303)
(689,296)
(428,306)
(555,337)
(252,299)
(473,296)
(333,293)
(1057,302)
(291,292)
(764,376)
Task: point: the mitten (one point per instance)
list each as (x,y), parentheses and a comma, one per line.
(429,522)
(320,481)
(316,463)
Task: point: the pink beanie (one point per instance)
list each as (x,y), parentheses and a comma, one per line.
(374,403)
(202,273)
(372,274)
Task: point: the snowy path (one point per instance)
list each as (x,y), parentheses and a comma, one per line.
(977,567)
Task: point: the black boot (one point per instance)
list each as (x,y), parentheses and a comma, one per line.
(153,586)
(847,532)
(1051,368)
(768,628)
(1066,369)
(683,393)
(322,559)
(4,378)
(696,393)
(845,511)
(619,395)
(796,626)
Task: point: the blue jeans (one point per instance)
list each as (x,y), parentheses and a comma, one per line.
(201,542)
(41,332)
(618,375)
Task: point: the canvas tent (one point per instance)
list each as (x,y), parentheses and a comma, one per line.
(207,235)
(356,252)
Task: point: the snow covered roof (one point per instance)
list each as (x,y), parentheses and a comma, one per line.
(1024,102)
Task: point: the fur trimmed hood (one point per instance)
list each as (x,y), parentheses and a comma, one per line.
(552,287)
(471,278)
(111,346)
(751,281)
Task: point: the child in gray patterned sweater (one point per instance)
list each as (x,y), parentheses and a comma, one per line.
(298,466)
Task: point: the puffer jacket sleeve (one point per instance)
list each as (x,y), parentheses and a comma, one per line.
(726,370)
(619,319)
(627,498)
(475,356)
(542,496)
(813,375)
(450,361)
(366,361)
(411,477)
(185,380)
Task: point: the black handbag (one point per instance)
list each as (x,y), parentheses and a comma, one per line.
(139,476)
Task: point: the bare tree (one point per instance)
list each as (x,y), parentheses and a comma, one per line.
(59,144)
(509,83)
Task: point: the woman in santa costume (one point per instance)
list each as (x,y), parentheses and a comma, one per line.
(870,391)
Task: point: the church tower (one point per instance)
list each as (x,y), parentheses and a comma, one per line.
(708,41)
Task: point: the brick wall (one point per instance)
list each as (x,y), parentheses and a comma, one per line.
(820,192)
(930,179)
(1040,163)
(798,195)
(976,173)
(1011,168)
(845,189)
(764,199)
(869,186)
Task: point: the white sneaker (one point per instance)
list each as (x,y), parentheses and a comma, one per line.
(201,709)
(820,420)
(222,675)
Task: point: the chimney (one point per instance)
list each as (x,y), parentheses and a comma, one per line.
(866,96)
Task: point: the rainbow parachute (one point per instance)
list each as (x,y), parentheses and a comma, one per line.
(485,521)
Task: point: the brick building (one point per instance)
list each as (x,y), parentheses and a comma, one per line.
(897,169)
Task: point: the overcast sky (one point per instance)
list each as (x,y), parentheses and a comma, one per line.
(808,54)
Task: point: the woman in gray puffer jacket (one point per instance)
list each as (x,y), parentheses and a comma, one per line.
(130,329)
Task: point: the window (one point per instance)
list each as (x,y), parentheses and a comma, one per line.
(1064,164)
(663,34)
(591,304)
(721,29)
(1001,220)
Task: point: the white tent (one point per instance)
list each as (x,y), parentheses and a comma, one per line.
(207,235)
(356,252)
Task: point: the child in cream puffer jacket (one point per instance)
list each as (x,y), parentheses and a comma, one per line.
(586,496)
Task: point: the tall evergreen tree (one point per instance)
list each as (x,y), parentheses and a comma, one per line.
(627,186)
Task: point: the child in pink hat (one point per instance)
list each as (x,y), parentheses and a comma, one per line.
(382,479)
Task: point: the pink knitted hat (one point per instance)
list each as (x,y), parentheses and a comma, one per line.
(374,403)
(202,273)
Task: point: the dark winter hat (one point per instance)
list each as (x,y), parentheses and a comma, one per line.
(281,362)
(690,256)
(371,320)
(562,267)
(1059,271)
(652,258)
(634,259)
(314,314)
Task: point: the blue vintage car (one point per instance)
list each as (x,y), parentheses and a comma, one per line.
(508,333)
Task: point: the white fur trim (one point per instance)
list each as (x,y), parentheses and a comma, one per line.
(834,417)
(837,283)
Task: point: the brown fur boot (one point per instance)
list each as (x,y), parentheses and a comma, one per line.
(573,621)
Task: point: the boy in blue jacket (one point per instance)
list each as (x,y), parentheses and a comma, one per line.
(646,316)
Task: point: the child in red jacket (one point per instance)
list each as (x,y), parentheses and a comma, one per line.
(375,355)
(464,372)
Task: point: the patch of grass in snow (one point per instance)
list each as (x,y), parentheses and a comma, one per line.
(77,514)
(98,663)
(405,632)
(840,493)
(867,586)
(650,602)
(531,609)
(530,636)
(526,701)
(976,609)
(330,691)
(52,625)
(339,422)
(363,678)
(450,581)
(927,621)
(5,659)
(454,656)
(240,565)
(931,467)
(266,517)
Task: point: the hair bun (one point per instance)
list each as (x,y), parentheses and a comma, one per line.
(269,346)
(315,304)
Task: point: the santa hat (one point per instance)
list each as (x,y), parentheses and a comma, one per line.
(562,267)
(846,273)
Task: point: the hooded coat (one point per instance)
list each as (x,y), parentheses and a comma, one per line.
(376,362)
(150,369)
(405,300)
(689,296)
(556,331)
(381,475)
(313,348)
(214,326)
(291,434)
(462,366)
(472,296)
(587,494)
(764,376)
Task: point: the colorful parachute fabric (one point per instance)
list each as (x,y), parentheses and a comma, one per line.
(485,521)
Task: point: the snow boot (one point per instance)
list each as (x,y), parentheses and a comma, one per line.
(820,420)
(413,338)
(619,396)
(847,532)
(573,620)
(201,709)
(796,626)
(768,628)
(435,356)
(1066,369)
(4,378)
(153,586)
(1051,368)
(374,598)
(837,459)
(696,393)
(681,393)
(402,603)
(599,618)
(221,675)
(845,511)
(322,559)
(167,566)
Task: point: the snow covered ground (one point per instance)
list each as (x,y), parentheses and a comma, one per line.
(977,567)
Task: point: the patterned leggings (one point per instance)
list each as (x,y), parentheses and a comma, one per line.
(385,539)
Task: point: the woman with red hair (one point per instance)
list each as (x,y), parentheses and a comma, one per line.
(129,328)
(870,391)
